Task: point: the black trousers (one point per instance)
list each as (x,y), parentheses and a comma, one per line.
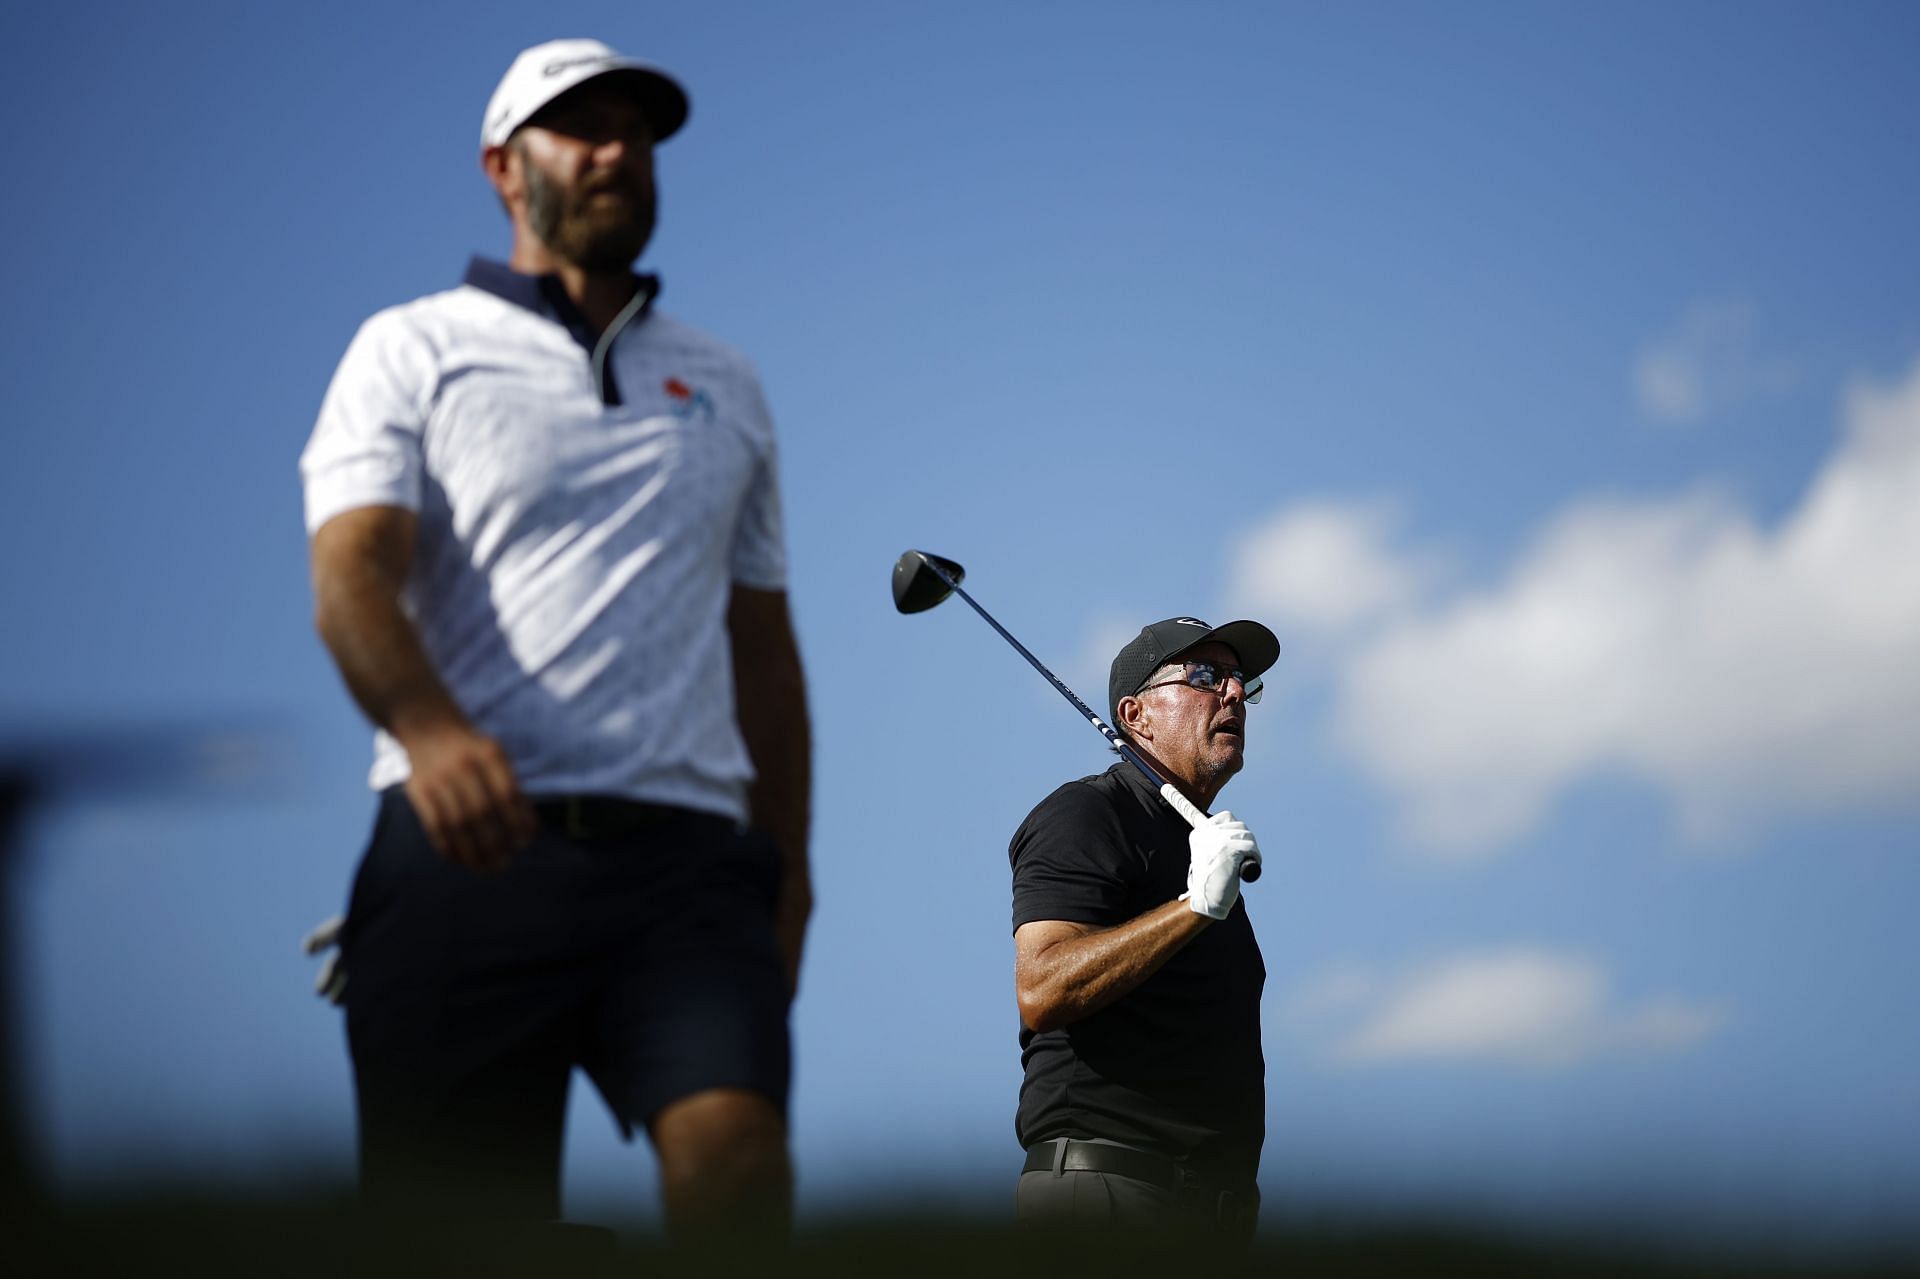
(1107,1203)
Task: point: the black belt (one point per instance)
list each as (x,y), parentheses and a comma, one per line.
(1201,1194)
(1094,1156)
(601,816)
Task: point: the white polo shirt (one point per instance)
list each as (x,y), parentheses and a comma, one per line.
(581,527)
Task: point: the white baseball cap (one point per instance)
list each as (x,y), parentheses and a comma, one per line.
(544,72)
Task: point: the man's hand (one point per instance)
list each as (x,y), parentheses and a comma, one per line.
(1217,851)
(467,797)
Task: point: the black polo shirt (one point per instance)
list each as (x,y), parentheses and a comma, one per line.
(1175,1065)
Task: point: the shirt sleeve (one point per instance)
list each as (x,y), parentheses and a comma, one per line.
(1072,860)
(759,544)
(365,449)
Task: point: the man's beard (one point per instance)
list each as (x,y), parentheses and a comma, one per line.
(585,232)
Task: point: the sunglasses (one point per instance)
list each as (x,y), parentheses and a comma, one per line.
(1209,678)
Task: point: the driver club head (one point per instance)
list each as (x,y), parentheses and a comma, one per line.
(917,585)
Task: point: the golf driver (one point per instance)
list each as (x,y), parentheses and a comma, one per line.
(922,580)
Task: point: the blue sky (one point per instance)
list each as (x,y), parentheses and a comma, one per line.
(1547,376)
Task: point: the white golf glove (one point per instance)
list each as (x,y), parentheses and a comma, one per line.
(331,984)
(1218,850)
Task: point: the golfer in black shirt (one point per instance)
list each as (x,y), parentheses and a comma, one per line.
(1137,970)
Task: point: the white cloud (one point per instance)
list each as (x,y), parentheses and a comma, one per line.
(1515,1007)
(1332,991)
(1325,565)
(1746,672)
(1704,364)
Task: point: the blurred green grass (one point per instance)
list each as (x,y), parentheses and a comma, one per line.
(209,1235)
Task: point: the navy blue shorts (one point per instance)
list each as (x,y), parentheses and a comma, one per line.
(647,958)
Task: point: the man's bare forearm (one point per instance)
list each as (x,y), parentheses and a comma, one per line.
(780,745)
(460,781)
(358,615)
(771,707)
(1073,976)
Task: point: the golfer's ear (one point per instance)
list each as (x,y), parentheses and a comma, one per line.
(1134,720)
(498,164)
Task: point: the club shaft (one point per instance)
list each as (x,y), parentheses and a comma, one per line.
(1192,812)
(1106,730)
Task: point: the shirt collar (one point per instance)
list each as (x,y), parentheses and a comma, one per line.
(1138,782)
(544,294)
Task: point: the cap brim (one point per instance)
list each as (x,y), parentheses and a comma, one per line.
(1257,647)
(659,95)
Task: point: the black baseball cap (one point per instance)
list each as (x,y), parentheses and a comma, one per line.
(1160,643)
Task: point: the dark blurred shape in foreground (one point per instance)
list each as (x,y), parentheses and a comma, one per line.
(233,759)
(211,1236)
(238,758)
(15,1182)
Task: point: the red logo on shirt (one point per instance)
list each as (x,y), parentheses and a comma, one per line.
(686,400)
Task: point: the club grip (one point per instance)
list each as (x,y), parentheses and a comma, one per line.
(1180,804)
